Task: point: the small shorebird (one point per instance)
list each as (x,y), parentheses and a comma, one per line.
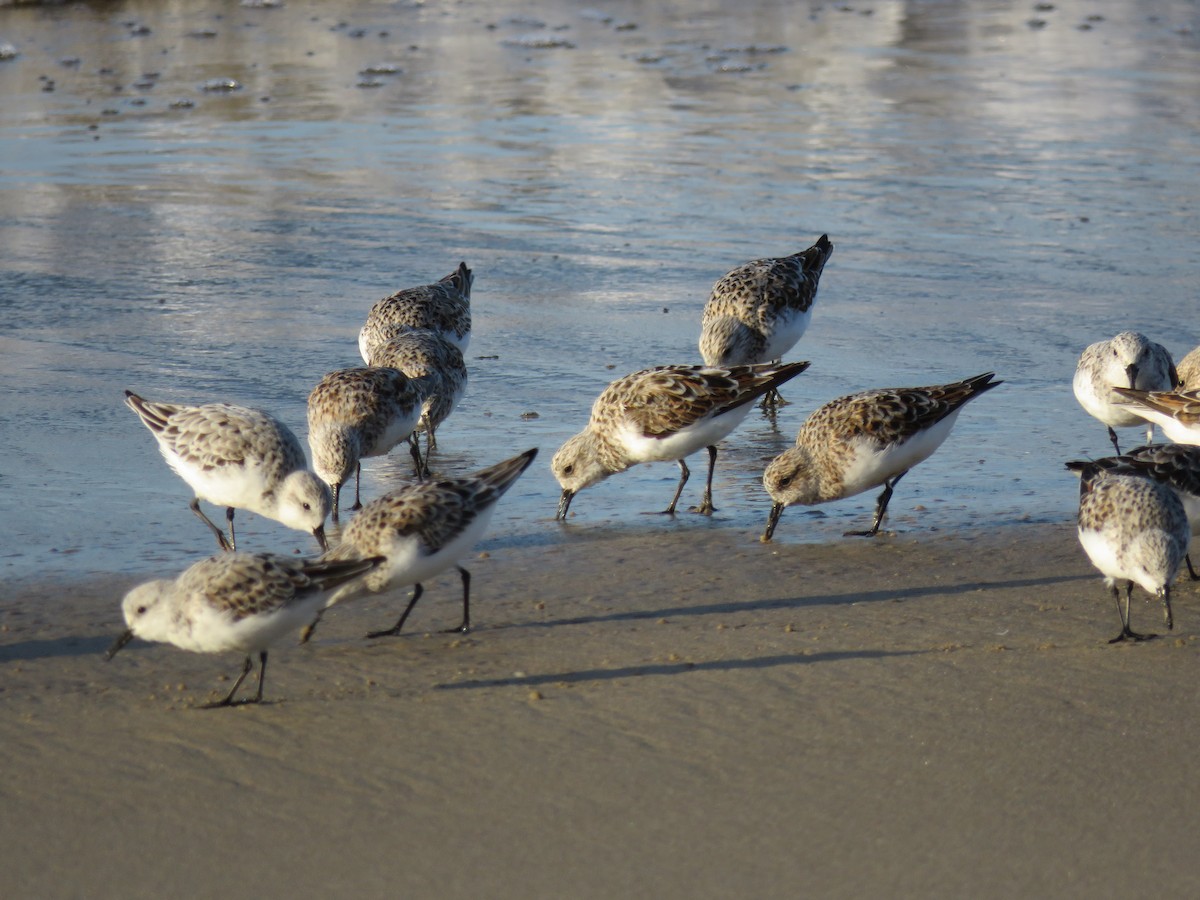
(436,367)
(1189,371)
(1129,360)
(234,601)
(1177,413)
(1175,465)
(444,307)
(662,414)
(420,530)
(357,413)
(1132,528)
(863,440)
(239,458)
(757,312)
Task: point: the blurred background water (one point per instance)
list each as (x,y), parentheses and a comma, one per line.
(1004,183)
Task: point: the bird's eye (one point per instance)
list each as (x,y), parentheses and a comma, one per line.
(567,470)
(141,610)
(785,480)
(307,506)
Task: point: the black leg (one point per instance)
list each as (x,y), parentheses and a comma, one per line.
(1187,558)
(706,507)
(228,701)
(881,506)
(262,674)
(414,448)
(337,501)
(307,633)
(683,477)
(465,627)
(357,479)
(1127,634)
(1112,436)
(232,536)
(395,629)
(222,541)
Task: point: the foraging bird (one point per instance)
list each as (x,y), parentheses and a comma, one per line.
(444,307)
(661,414)
(234,601)
(420,530)
(863,440)
(357,413)
(1129,360)
(1135,529)
(239,458)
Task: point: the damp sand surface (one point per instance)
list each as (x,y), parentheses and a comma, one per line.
(896,717)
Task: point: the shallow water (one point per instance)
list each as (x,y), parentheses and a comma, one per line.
(1000,193)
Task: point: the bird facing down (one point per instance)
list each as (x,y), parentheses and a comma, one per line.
(1132,529)
(1129,360)
(420,530)
(1176,412)
(239,458)
(234,601)
(663,414)
(357,413)
(436,367)
(444,307)
(863,440)
(1175,465)
(758,311)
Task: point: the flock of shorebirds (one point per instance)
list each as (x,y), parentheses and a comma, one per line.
(1134,512)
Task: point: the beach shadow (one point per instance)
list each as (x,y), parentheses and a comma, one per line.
(728,607)
(51,648)
(678,668)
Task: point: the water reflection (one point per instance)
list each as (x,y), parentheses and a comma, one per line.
(1000,193)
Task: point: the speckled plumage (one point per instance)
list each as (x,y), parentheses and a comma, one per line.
(758,311)
(1177,413)
(239,458)
(1133,529)
(1129,360)
(444,307)
(863,440)
(437,369)
(422,529)
(1188,370)
(358,413)
(662,414)
(235,601)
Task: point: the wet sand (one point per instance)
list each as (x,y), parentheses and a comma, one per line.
(919,715)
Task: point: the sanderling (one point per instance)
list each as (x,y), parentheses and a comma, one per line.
(235,601)
(437,369)
(758,312)
(663,414)
(356,413)
(1129,360)
(444,307)
(1177,413)
(1135,529)
(238,458)
(1188,369)
(1175,465)
(422,529)
(863,440)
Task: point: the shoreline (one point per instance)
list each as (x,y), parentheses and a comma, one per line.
(911,716)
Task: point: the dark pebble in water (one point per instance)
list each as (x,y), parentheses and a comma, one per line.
(70,62)
(182,104)
(530,415)
(140,30)
(369,83)
(625,26)
(381,69)
(1036,23)
(221,84)
(203,35)
(8,51)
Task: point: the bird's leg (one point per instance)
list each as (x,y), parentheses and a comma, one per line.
(357,480)
(683,477)
(881,506)
(1112,436)
(337,501)
(414,448)
(1187,558)
(1165,596)
(395,629)
(229,519)
(465,627)
(1126,632)
(246,667)
(222,541)
(706,507)
(307,633)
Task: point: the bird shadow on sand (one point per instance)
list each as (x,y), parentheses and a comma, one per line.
(674,668)
(51,648)
(776,603)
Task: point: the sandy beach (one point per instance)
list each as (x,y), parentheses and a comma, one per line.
(919,715)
